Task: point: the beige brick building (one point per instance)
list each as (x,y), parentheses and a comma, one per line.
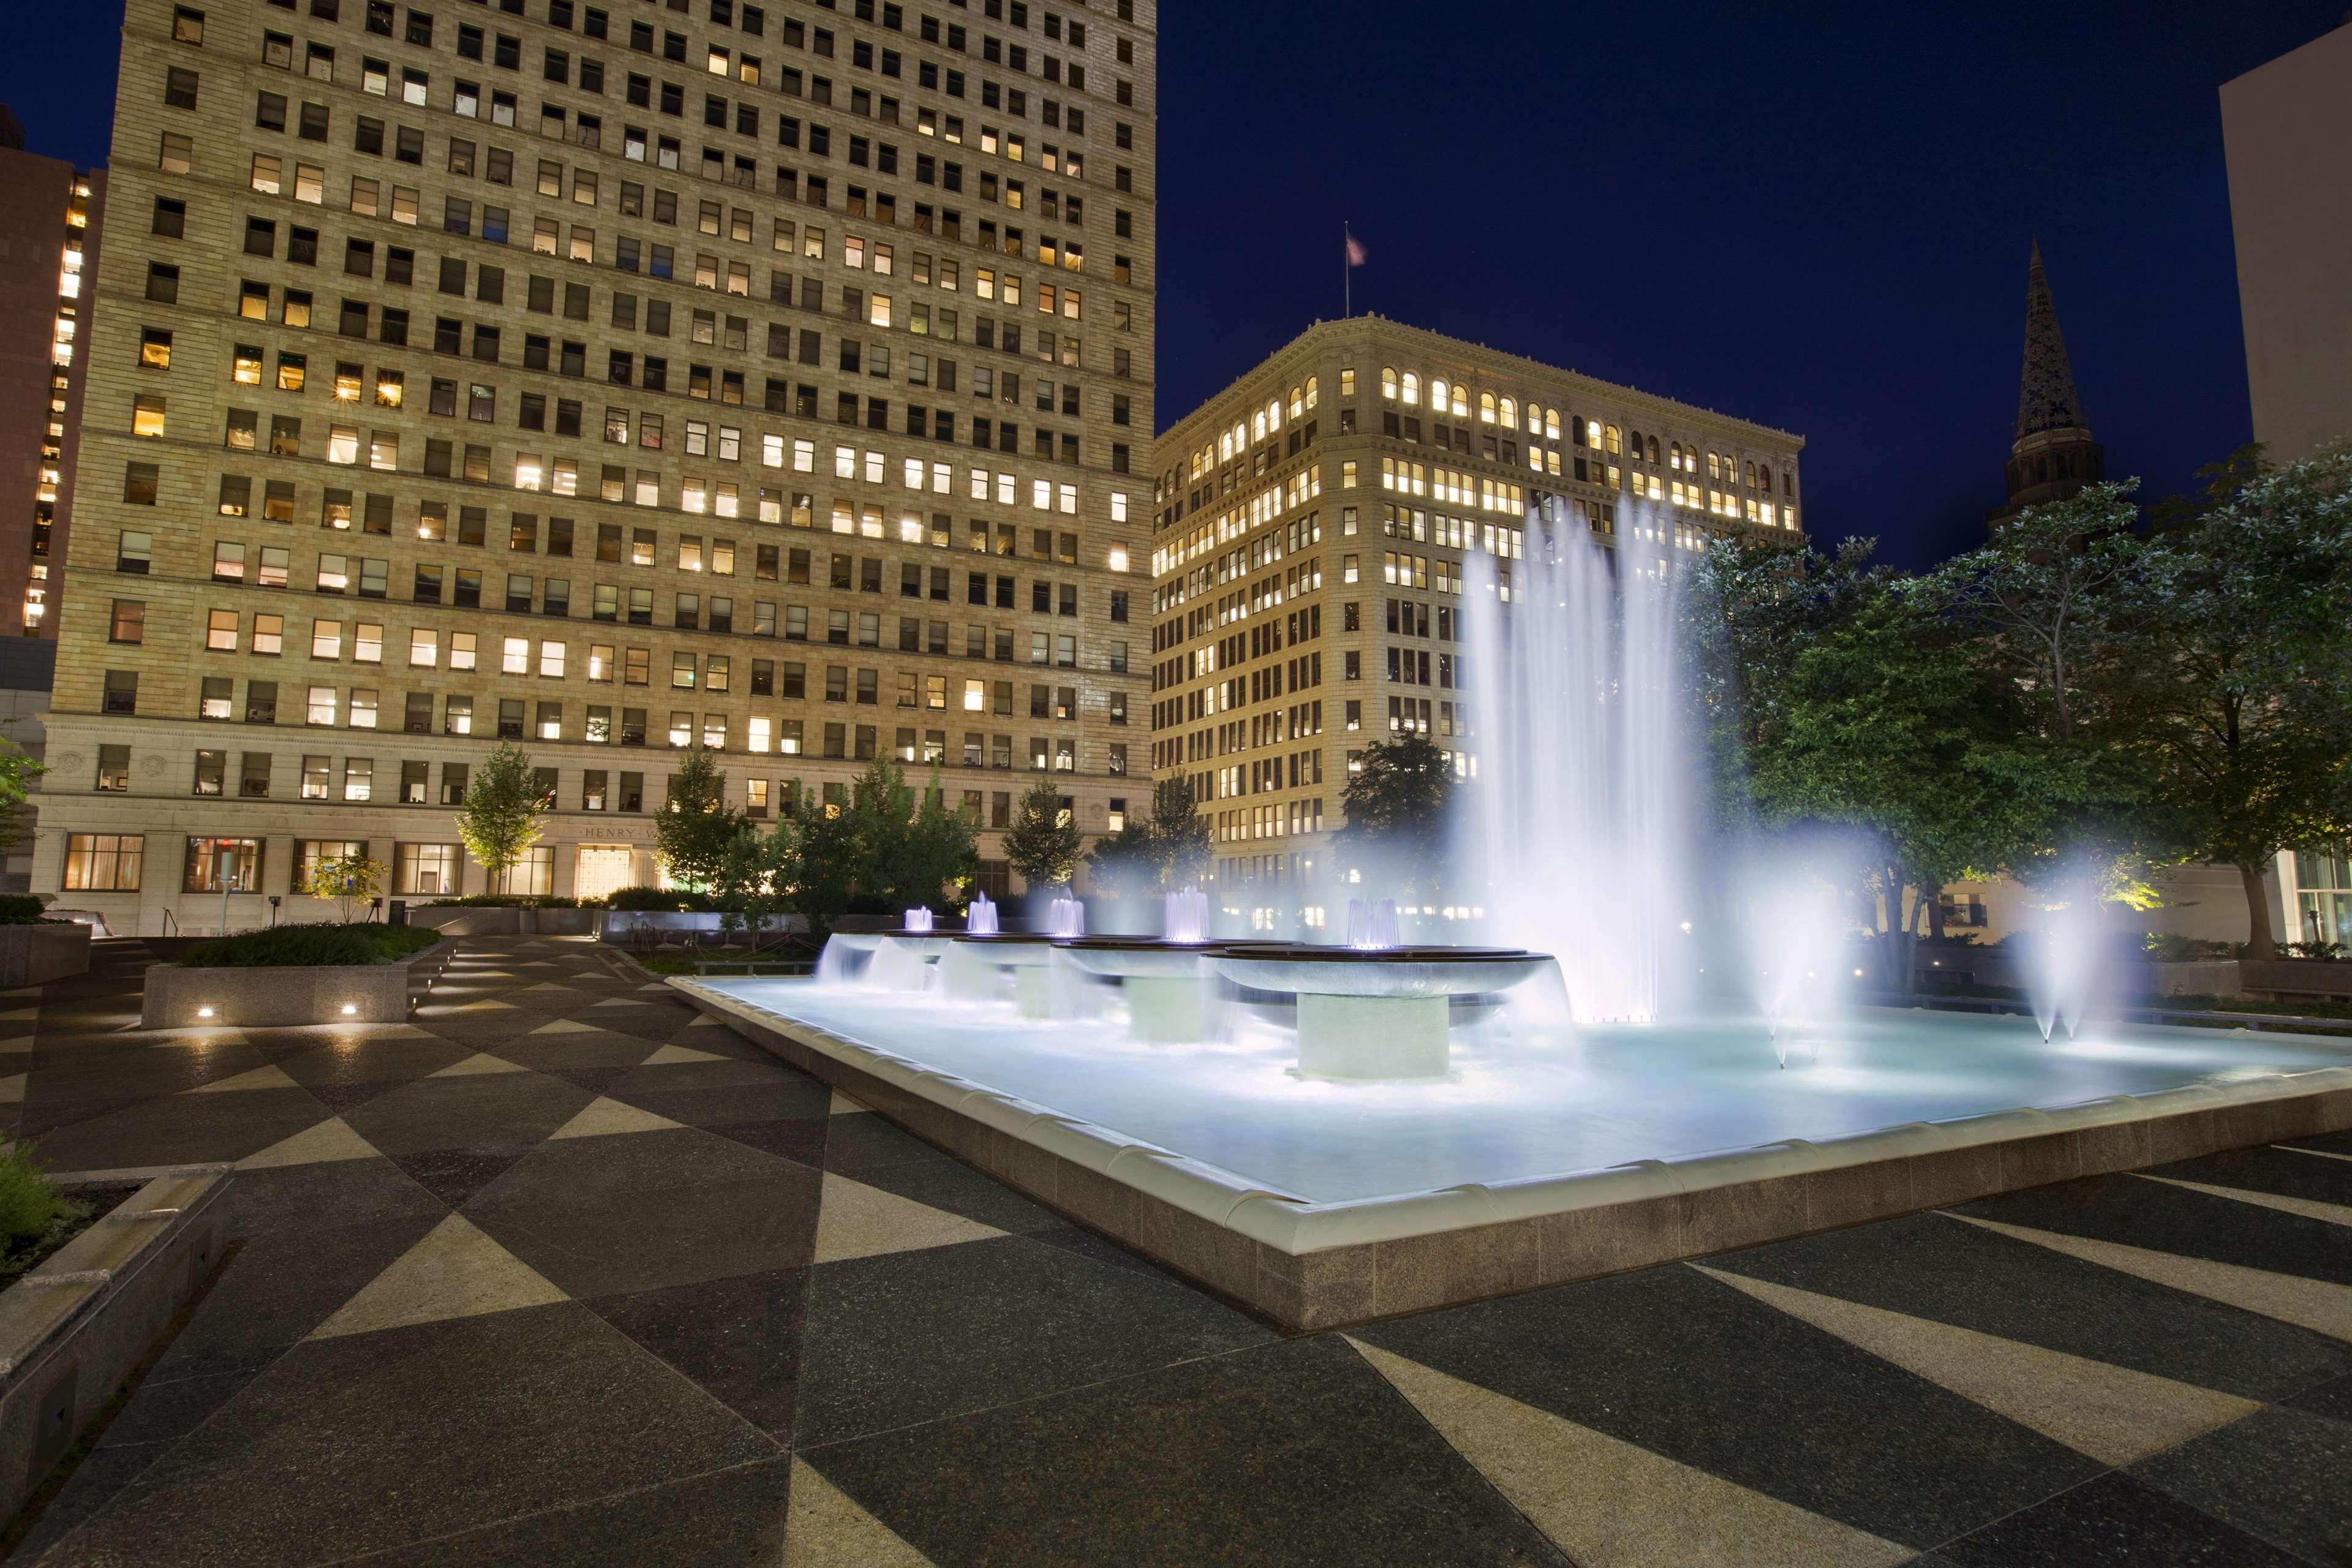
(1311,523)
(614,378)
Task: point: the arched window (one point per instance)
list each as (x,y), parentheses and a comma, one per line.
(1714,468)
(1225,447)
(1485,409)
(1274,416)
(1388,381)
(1751,476)
(1310,395)
(1674,456)
(1633,442)
(1764,476)
(1654,449)
(1258,425)
(1437,390)
(1614,448)
(1461,401)
(1509,413)
(1412,389)
(1551,424)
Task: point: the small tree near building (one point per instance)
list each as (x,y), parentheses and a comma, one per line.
(349,879)
(1042,845)
(696,826)
(1180,834)
(499,820)
(1396,806)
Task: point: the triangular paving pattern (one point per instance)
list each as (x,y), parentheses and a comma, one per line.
(454,1176)
(332,1139)
(2112,1413)
(671,1055)
(602,1117)
(854,1220)
(488,1005)
(2309,1208)
(480,1062)
(2323,1154)
(2314,1304)
(270,1077)
(622,1002)
(1612,1504)
(567,1026)
(23,1014)
(825,1529)
(456,1271)
(842,1105)
(658,987)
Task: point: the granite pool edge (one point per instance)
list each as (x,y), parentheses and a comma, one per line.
(1313,1265)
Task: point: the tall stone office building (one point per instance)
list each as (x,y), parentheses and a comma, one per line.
(1311,526)
(614,378)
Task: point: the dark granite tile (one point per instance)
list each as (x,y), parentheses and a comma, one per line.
(738,1338)
(283,1283)
(2334,1143)
(961,1190)
(633,1212)
(434,1429)
(799,1139)
(184,1129)
(725,1519)
(1102,1250)
(2280,1474)
(2328,1399)
(165,1409)
(858,1141)
(2282,1171)
(771,1098)
(353,1068)
(556,1053)
(1934,1266)
(476,1110)
(337,1193)
(95,1481)
(912,1336)
(2115,1520)
(455,1175)
(595,1080)
(1682,1365)
(2165,1218)
(1293,1453)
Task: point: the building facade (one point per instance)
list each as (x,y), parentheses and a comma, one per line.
(2052,453)
(1310,526)
(2287,128)
(49,225)
(612,379)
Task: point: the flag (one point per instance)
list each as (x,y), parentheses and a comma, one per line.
(1355,251)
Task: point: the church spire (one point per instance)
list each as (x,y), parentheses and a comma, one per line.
(2046,399)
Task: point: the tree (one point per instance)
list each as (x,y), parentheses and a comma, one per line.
(827,858)
(694,828)
(347,879)
(932,852)
(2232,675)
(1126,864)
(1396,806)
(499,820)
(17,773)
(757,872)
(1180,834)
(1042,845)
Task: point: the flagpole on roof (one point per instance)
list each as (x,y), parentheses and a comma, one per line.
(1346,270)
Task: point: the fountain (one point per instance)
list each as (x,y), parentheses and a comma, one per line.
(1380,1013)
(980,919)
(2064,958)
(1065,917)
(1371,925)
(1186,919)
(1579,826)
(918,921)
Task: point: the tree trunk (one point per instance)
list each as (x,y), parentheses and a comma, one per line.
(2260,943)
(1895,942)
(1936,915)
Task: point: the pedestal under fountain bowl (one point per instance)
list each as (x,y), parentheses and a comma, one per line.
(1027,955)
(1166,983)
(1376,1013)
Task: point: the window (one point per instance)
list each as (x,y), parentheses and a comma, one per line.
(425,868)
(129,621)
(217,864)
(103,862)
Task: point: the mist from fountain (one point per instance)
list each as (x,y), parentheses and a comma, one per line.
(1372,924)
(2065,958)
(1578,830)
(1792,942)
(1186,919)
(980,919)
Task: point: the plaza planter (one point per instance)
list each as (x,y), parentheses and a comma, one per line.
(72,1329)
(180,999)
(637,927)
(2289,979)
(30,954)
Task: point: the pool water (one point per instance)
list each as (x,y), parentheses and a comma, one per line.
(1524,1102)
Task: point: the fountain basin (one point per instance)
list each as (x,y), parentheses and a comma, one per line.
(1167,984)
(1029,954)
(1379,1012)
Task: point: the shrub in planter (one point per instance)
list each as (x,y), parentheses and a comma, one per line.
(20,910)
(311,946)
(515,901)
(661,900)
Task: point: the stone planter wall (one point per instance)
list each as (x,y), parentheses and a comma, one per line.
(373,993)
(30,954)
(620,925)
(504,919)
(71,1329)
(2288,978)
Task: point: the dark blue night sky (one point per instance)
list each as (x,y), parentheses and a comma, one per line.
(1812,216)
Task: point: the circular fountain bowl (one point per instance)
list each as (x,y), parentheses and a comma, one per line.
(1137,958)
(1395,972)
(1013,949)
(857,941)
(929,943)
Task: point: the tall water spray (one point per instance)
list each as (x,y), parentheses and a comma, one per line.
(1576,833)
(1186,915)
(2066,957)
(1372,923)
(980,919)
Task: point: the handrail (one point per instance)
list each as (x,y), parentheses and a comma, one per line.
(171,926)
